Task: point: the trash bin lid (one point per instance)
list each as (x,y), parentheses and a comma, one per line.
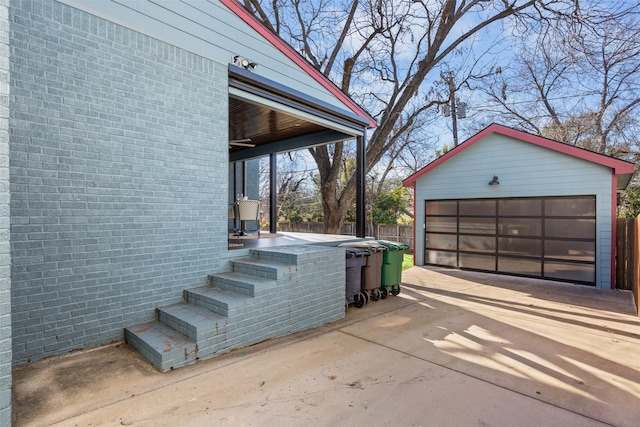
(369,245)
(393,246)
(356,252)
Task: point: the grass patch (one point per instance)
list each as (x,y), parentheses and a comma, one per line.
(407,261)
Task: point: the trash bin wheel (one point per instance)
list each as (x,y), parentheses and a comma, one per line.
(395,290)
(375,294)
(360,299)
(384,292)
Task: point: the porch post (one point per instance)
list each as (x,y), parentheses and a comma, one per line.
(273,199)
(360,185)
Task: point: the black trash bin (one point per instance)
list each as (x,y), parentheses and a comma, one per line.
(355,260)
(372,271)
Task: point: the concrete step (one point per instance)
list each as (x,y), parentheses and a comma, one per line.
(266,268)
(195,322)
(242,283)
(263,297)
(161,345)
(222,301)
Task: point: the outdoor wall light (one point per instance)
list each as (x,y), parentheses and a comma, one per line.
(243,62)
(494,181)
(248,64)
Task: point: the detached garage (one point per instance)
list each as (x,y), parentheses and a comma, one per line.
(509,202)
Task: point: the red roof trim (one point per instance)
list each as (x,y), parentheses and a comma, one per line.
(247,17)
(618,166)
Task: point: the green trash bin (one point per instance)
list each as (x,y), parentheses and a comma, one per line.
(391,275)
(372,270)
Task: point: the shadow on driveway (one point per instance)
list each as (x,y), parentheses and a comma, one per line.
(454,348)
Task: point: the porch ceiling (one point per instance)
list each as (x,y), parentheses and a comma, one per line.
(266,117)
(257,130)
(263,125)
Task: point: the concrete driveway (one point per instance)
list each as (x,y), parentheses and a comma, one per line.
(454,348)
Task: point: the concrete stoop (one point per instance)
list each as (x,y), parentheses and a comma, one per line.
(260,298)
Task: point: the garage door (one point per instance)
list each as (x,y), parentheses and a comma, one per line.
(548,237)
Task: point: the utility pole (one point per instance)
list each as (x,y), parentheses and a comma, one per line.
(456,111)
(452,104)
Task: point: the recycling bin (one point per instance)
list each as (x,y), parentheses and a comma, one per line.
(391,274)
(372,270)
(355,260)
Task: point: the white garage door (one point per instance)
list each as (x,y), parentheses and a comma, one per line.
(544,237)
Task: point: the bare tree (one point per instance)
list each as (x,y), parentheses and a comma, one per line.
(578,83)
(295,180)
(385,54)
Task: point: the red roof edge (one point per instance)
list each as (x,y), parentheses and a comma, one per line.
(283,47)
(619,167)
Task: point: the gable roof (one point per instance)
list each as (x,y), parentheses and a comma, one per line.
(623,169)
(290,53)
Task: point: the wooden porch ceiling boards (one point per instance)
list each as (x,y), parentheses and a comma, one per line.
(264,125)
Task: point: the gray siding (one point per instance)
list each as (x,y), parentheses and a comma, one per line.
(5,255)
(525,170)
(211,30)
(119,162)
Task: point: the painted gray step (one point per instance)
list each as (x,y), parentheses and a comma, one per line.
(294,255)
(246,284)
(163,346)
(222,301)
(195,322)
(265,268)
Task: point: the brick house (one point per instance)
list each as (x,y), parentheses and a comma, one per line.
(119,120)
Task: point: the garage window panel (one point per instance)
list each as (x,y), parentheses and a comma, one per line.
(477,207)
(475,225)
(477,262)
(570,206)
(441,224)
(584,273)
(570,228)
(570,250)
(519,246)
(441,241)
(442,207)
(485,244)
(520,226)
(446,258)
(520,266)
(520,207)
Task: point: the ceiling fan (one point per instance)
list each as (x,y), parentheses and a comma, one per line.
(246,142)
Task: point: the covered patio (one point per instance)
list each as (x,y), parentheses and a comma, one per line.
(267,118)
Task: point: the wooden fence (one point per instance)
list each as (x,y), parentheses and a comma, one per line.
(397,233)
(628,256)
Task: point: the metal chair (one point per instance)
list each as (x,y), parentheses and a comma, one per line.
(247,210)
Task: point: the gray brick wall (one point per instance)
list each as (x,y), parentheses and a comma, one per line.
(118,176)
(5,255)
